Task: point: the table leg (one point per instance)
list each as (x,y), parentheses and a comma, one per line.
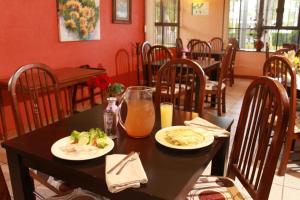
(219,163)
(22,183)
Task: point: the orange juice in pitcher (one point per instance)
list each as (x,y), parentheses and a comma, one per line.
(140,117)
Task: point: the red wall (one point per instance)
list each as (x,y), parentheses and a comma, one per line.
(29,33)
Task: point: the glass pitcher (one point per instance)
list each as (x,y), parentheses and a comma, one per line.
(140,117)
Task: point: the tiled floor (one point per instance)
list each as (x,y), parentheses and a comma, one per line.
(283,188)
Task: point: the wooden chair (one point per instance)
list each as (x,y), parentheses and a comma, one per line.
(191,43)
(252,161)
(144,49)
(216,44)
(200,50)
(4,193)
(218,88)
(179,48)
(182,82)
(298,52)
(122,63)
(235,45)
(82,93)
(158,55)
(36,103)
(280,68)
(290,46)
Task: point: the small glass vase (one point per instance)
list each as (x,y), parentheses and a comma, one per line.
(111,118)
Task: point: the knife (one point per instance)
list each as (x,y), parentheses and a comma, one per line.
(120,162)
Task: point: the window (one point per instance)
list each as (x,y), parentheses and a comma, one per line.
(276,21)
(166,22)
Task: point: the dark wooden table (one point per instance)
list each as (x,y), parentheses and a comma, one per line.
(171,173)
(217,55)
(67,77)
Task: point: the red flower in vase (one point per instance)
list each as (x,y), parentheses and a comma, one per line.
(102,81)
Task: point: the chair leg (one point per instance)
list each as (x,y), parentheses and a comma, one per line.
(219,100)
(285,156)
(224,101)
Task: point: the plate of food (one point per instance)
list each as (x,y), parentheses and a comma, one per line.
(83,145)
(183,137)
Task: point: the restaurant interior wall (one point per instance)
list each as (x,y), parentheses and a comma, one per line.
(29,34)
(248,64)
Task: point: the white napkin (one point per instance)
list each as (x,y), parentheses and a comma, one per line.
(207,127)
(132,175)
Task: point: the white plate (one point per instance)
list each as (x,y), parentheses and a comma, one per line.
(57,151)
(161,134)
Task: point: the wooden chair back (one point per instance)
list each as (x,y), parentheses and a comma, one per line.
(281,69)
(290,46)
(179,48)
(4,193)
(122,62)
(191,43)
(281,51)
(144,49)
(235,44)
(298,53)
(123,71)
(158,55)
(225,65)
(200,50)
(252,160)
(182,78)
(216,44)
(38,90)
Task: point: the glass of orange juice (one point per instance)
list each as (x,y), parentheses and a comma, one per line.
(166,114)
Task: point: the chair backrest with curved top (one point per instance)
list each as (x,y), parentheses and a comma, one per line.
(280,68)
(264,111)
(179,48)
(191,42)
(158,55)
(235,44)
(298,52)
(122,62)
(123,67)
(290,46)
(144,49)
(281,51)
(182,82)
(144,52)
(37,88)
(225,65)
(200,50)
(216,44)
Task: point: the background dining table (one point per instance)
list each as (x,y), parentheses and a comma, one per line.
(171,172)
(67,77)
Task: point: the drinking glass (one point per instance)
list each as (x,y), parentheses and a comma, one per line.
(166,114)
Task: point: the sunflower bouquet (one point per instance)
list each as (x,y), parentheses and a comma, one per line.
(295,60)
(80,16)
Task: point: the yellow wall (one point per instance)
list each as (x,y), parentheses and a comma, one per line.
(201,27)
(205,28)
(214,25)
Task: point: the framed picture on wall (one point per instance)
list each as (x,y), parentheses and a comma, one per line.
(78,20)
(121,11)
